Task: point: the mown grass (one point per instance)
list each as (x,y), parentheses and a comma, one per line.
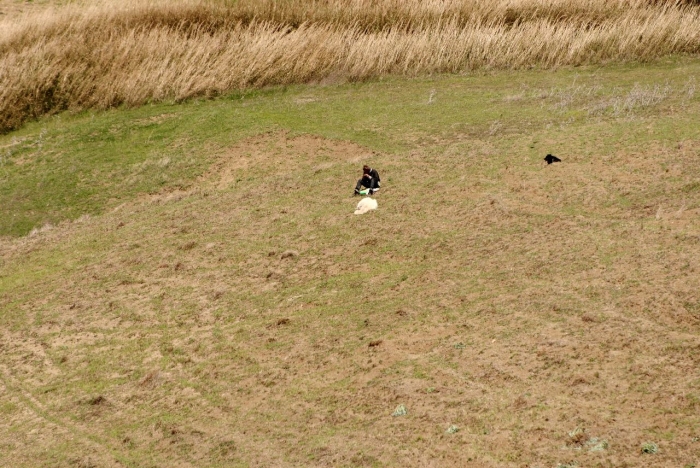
(99,55)
(152,332)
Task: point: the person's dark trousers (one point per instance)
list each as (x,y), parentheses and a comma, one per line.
(368,182)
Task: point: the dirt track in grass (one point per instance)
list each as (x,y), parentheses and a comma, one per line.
(550,313)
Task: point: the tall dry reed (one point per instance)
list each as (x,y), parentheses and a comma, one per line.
(132,52)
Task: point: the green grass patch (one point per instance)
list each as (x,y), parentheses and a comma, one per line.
(69,165)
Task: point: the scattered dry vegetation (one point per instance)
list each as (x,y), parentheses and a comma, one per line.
(106,54)
(518,315)
(493,312)
(524,317)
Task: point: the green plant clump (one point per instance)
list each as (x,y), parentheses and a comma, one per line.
(650,447)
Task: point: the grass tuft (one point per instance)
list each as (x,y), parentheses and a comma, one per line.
(650,448)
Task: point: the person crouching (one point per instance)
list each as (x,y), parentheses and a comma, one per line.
(370,180)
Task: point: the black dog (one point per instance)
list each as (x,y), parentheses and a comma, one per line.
(550,158)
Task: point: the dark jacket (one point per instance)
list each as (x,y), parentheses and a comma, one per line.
(370,180)
(375,176)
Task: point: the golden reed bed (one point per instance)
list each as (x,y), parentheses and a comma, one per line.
(109,53)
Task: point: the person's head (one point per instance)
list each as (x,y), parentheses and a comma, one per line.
(365,169)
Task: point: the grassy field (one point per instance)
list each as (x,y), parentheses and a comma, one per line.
(186,285)
(100,54)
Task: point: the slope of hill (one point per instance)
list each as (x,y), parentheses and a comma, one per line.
(202,294)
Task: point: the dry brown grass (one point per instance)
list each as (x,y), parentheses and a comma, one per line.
(112,53)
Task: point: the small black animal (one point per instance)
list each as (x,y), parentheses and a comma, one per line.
(550,158)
